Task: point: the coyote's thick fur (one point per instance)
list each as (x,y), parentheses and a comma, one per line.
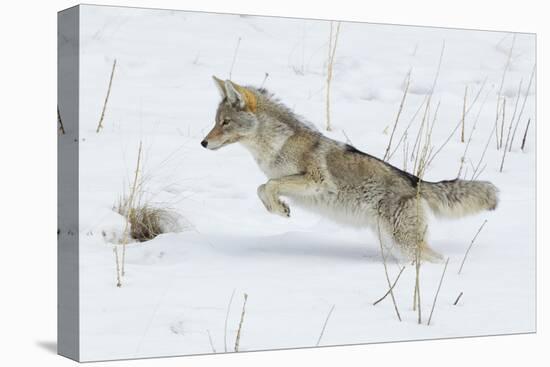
(333,178)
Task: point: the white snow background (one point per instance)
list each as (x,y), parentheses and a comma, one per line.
(177,286)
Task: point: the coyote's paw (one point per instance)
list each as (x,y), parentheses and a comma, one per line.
(272,204)
(282,209)
(429,255)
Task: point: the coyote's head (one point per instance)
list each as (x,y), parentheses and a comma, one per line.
(235,117)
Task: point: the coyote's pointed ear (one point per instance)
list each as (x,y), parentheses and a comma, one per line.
(220,85)
(240,96)
(233,95)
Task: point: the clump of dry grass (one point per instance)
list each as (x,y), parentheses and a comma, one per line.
(147,221)
(143,220)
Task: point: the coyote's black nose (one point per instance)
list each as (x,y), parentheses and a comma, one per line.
(204,143)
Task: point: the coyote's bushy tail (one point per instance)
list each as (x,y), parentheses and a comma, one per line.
(458,198)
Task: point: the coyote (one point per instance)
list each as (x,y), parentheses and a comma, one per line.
(335,179)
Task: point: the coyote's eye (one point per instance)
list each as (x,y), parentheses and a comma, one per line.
(226,121)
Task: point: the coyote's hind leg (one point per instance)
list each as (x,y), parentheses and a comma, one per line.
(409,228)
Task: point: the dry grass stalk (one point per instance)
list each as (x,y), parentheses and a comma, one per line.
(329,77)
(438,289)
(458,299)
(475,173)
(417,303)
(60,122)
(463,159)
(421,153)
(470,247)
(503,119)
(118,280)
(507,143)
(525,135)
(476,176)
(234,57)
(387,275)
(324,326)
(348,140)
(422,164)
(438,69)
(429,136)
(100,124)
(427,100)
(508,60)
(496,123)
(415,289)
(226,319)
(405,132)
(405,154)
(514,115)
(502,40)
(391,288)
(458,124)
(130,207)
(465,173)
(524,99)
(417,142)
(417,261)
(330,64)
(408,82)
(210,340)
(422,156)
(238,338)
(463,114)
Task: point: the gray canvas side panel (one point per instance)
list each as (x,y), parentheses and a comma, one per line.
(67,184)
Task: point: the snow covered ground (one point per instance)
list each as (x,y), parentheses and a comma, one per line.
(177,287)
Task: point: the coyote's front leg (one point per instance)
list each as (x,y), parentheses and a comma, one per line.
(287,185)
